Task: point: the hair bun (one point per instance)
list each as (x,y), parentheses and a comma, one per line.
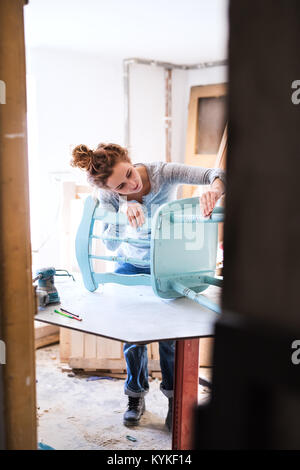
(82,157)
(100,163)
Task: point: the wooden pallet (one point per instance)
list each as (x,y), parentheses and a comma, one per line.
(89,352)
(86,351)
(115,373)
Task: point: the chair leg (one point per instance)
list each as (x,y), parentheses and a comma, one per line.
(197,297)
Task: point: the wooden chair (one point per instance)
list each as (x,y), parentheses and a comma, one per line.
(183,249)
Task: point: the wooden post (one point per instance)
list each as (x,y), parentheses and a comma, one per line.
(168,114)
(16,300)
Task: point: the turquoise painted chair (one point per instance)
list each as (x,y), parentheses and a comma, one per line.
(183,249)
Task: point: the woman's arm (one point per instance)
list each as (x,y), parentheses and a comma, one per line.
(107,202)
(210,197)
(178,173)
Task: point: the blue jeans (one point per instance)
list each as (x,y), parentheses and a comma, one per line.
(137,384)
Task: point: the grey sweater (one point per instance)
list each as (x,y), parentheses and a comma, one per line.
(164,180)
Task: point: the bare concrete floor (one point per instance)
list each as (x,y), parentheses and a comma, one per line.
(76,414)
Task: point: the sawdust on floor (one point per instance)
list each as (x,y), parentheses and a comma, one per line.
(75,414)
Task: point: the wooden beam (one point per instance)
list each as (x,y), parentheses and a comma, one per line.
(17,299)
(222,152)
(185,393)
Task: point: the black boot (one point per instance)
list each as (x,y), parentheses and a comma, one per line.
(136,407)
(169,418)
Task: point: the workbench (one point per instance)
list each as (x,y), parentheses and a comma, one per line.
(134,314)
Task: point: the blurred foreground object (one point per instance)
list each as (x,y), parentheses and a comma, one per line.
(255,400)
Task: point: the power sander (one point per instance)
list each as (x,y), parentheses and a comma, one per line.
(46,290)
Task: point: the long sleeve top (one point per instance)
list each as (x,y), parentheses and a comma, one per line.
(164,180)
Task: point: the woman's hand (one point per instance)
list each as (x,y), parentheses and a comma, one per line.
(209,198)
(135,214)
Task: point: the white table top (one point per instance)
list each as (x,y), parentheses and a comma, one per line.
(132,314)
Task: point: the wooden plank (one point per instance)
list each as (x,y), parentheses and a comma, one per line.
(153,352)
(17,303)
(222,152)
(46,340)
(106,364)
(96,363)
(77,344)
(41,330)
(191,125)
(64,344)
(108,349)
(90,346)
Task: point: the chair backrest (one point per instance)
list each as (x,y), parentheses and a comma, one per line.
(83,244)
(84,241)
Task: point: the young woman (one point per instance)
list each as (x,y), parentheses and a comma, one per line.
(138,189)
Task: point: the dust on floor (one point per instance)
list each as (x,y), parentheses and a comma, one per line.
(76,414)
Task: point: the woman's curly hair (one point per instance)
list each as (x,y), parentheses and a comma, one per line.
(99,163)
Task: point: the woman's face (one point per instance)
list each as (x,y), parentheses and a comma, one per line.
(125,179)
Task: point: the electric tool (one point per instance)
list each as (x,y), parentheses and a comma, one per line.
(46,290)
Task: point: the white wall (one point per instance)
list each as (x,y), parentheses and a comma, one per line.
(147,108)
(78,98)
(146,113)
